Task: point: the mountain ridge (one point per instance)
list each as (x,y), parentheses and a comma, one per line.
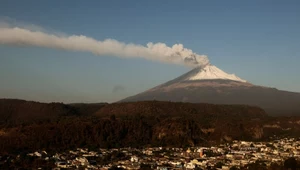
(218,90)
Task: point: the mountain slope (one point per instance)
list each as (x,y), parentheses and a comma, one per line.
(212,85)
(16,112)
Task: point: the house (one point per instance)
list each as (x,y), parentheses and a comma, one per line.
(134,159)
(61,164)
(190,166)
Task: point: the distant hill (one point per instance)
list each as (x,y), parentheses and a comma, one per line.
(87,108)
(14,111)
(173,109)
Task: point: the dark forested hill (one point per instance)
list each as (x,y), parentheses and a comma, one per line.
(16,112)
(32,126)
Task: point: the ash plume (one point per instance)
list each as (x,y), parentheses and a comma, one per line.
(176,54)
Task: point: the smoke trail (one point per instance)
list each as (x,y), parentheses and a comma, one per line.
(176,54)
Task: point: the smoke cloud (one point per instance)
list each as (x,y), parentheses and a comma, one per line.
(176,54)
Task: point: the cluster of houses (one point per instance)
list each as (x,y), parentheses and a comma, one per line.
(224,156)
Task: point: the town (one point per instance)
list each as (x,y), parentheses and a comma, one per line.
(232,155)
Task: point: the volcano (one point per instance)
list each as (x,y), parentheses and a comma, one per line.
(210,84)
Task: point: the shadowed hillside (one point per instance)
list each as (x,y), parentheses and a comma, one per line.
(14,112)
(33,126)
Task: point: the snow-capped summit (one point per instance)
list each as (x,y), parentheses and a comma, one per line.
(210,72)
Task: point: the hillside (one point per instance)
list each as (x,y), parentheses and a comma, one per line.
(21,112)
(179,109)
(58,126)
(13,111)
